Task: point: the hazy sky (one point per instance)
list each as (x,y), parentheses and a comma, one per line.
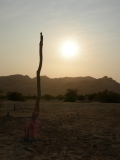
(93,24)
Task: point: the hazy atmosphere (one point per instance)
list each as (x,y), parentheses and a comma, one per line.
(81,37)
(70,110)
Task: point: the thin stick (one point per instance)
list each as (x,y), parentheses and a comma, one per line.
(30,128)
(37,106)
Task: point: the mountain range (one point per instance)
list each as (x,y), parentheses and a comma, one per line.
(57,86)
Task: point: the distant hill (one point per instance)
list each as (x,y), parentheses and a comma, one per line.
(56,86)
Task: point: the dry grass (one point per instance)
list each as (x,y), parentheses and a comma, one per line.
(67,131)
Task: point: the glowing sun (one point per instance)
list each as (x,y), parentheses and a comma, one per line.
(69,49)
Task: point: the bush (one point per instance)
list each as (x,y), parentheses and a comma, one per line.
(81,97)
(108,97)
(48,97)
(1,104)
(91,97)
(15,96)
(60,97)
(30,97)
(70,95)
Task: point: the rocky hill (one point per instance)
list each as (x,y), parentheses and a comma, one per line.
(56,86)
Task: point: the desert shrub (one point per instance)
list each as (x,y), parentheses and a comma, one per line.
(70,95)
(108,97)
(1,105)
(15,96)
(48,97)
(91,97)
(60,97)
(30,97)
(1,99)
(81,97)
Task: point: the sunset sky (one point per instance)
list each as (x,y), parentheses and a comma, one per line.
(91,25)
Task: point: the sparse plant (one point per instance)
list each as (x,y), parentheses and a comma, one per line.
(108,97)
(48,97)
(15,96)
(70,95)
(30,97)
(1,104)
(91,97)
(81,97)
(60,97)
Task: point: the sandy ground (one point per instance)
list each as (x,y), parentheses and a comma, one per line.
(65,131)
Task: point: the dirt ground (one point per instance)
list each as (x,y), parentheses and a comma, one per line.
(64,131)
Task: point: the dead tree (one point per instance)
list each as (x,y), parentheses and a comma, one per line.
(36,111)
(30,128)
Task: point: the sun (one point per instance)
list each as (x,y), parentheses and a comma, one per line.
(69,49)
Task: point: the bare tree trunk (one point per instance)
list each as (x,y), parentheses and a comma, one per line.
(36,111)
(30,128)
